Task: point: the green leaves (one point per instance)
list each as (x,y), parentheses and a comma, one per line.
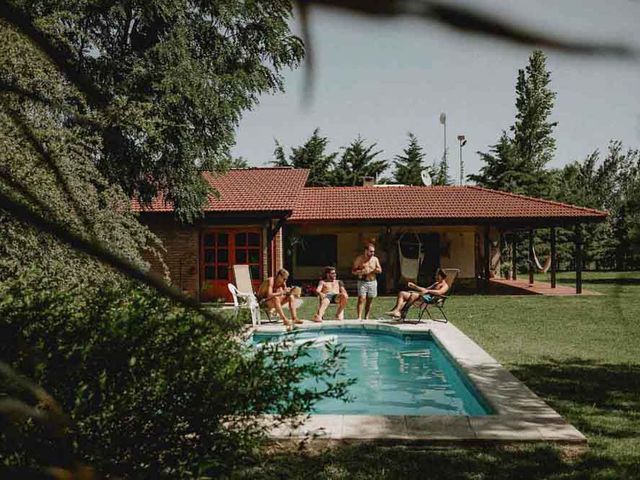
(163,84)
(517,164)
(409,166)
(144,379)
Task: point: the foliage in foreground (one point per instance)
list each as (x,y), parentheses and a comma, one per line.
(152,390)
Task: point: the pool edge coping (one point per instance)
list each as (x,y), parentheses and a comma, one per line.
(520,415)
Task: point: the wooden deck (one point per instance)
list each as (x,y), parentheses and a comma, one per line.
(499,286)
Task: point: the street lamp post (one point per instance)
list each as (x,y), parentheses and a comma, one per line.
(443,121)
(463,142)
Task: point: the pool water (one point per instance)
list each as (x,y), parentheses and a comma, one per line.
(396,375)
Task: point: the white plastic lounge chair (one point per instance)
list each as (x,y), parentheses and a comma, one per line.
(245,300)
(242,275)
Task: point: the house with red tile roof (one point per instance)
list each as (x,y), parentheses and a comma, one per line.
(267,218)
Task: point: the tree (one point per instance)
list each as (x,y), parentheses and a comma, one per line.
(228,162)
(441,172)
(130,98)
(409,166)
(517,163)
(502,169)
(532,132)
(162,84)
(611,185)
(357,161)
(312,155)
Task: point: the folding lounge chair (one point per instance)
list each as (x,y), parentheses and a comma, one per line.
(440,300)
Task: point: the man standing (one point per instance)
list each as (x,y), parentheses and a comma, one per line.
(366,267)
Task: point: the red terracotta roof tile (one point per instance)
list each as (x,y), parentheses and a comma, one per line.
(247,190)
(429,203)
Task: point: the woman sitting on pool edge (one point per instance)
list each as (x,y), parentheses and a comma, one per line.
(422,295)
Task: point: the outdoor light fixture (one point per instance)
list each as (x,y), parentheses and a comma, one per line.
(443,121)
(463,142)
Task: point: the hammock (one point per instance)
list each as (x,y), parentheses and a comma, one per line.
(409,267)
(495,260)
(547,263)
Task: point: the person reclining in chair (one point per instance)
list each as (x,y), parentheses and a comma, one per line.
(329,290)
(422,295)
(274,293)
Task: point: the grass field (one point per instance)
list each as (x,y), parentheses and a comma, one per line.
(580,354)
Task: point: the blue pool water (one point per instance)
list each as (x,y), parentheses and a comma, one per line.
(396,375)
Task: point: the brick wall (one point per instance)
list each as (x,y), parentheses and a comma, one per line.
(279,249)
(181,257)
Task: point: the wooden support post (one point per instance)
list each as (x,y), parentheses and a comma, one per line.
(554,257)
(578,259)
(514,255)
(487,259)
(477,265)
(531,257)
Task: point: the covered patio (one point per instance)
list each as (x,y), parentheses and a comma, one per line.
(463,227)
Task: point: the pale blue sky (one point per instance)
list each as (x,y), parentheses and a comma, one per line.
(382,79)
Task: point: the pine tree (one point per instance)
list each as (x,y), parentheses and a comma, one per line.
(357,161)
(502,169)
(409,166)
(312,155)
(441,172)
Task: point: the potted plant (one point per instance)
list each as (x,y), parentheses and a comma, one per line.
(505,270)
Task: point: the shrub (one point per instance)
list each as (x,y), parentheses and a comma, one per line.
(153,390)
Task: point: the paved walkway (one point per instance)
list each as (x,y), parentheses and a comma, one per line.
(499,286)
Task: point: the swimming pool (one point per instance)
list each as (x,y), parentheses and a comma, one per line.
(397,374)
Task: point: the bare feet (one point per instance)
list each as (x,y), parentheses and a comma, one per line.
(297,321)
(341,317)
(393,314)
(317,319)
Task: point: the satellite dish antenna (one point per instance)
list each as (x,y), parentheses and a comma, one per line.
(426,178)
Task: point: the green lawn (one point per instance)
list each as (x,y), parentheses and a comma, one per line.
(580,354)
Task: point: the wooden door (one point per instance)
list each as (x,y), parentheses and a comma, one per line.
(220,250)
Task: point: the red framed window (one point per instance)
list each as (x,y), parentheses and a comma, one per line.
(220,250)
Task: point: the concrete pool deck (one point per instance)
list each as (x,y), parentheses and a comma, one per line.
(520,415)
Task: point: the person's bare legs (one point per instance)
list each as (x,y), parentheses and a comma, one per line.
(401,301)
(361,300)
(291,302)
(276,303)
(367,307)
(322,307)
(342,304)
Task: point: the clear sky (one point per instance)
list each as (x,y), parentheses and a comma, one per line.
(382,79)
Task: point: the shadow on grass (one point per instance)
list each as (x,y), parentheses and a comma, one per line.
(597,399)
(602,401)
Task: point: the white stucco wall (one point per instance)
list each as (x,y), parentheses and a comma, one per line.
(461,253)
(456,242)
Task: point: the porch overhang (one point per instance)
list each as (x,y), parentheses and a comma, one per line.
(515,223)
